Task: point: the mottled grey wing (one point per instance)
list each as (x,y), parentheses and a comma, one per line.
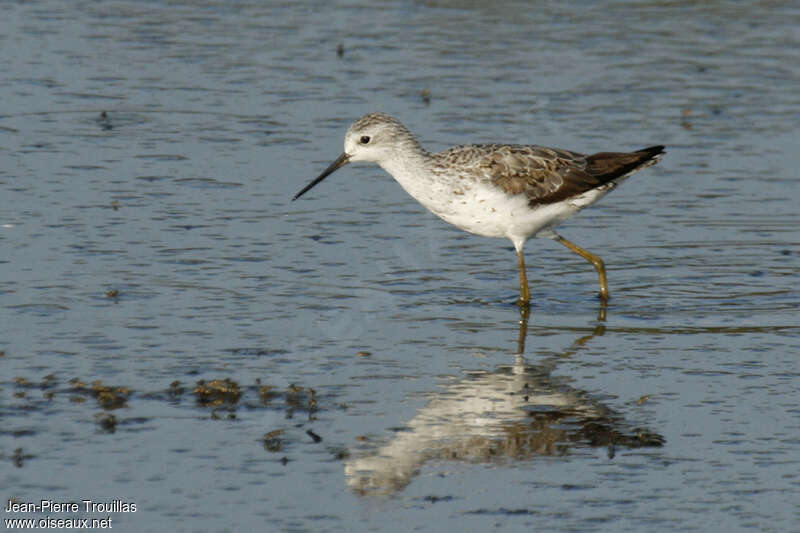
(548,175)
(542,174)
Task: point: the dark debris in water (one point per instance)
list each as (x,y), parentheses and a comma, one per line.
(436,499)
(224,397)
(301,399)
(502,511)
(425,94)
(104,121)
(266,393)
(175,390)
(340,453)
(109,397)
(256,352)
(19,457)
(217,392)
(107,422)
(273,440)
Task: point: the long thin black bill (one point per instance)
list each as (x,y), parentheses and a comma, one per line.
(341,161)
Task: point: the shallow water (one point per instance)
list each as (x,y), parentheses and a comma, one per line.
(372,349)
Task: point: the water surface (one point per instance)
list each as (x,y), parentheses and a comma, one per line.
(149,252)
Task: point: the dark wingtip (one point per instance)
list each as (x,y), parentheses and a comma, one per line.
(653,150)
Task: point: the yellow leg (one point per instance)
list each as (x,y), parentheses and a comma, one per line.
(594,260)
(524,314)
(524,292)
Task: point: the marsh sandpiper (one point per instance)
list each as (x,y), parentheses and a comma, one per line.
(495,190)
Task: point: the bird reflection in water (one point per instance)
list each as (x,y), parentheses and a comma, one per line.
(515,413)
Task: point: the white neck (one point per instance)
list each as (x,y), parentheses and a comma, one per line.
(411,169)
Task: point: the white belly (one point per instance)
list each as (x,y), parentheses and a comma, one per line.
(490,212)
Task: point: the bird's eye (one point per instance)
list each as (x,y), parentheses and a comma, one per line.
(364,139)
